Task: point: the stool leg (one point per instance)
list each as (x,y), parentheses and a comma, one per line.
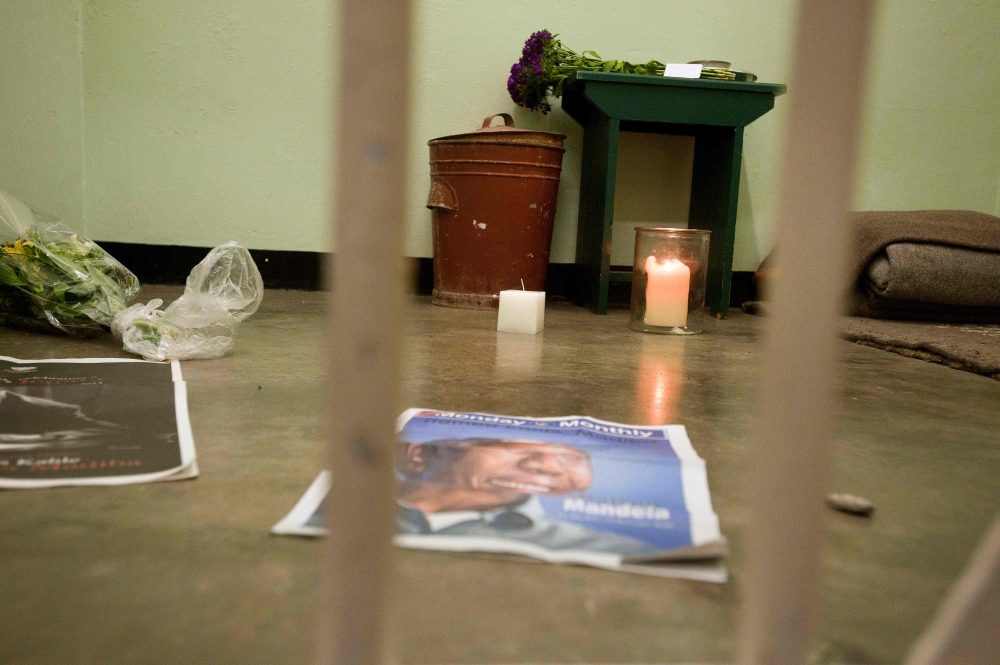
(597,207)
(715,186)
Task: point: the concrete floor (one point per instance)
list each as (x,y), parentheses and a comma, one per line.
(186,572)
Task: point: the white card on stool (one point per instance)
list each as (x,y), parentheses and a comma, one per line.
(521,312)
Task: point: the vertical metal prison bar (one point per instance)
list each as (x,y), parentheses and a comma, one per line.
(966,628)
(365,312)
(799,399)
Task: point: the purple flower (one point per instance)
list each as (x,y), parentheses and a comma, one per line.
(527,85)
(516,82)
(546,66)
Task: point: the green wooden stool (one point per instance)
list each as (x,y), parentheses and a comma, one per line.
(714,112)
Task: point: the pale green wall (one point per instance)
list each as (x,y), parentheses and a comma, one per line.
(932,138)
(205,120)
(41,118)
(208,121)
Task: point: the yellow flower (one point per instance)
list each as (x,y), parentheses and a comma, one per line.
(18,247)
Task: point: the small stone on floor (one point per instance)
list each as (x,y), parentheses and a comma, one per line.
(848,503)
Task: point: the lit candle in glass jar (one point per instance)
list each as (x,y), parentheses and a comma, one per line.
(667,286)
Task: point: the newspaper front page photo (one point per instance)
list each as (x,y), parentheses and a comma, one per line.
(571,490)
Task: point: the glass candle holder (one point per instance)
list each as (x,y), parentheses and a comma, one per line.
(668,280)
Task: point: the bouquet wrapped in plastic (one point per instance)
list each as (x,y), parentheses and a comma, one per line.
(52,277)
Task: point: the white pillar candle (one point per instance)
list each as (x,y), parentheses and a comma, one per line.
(521,312)
(667,286)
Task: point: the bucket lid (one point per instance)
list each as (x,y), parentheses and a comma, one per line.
(507,128)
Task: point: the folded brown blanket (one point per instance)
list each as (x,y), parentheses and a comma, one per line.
(936,274)
(926,265)
(922,265)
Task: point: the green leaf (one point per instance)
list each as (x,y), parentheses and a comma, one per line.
(10,277)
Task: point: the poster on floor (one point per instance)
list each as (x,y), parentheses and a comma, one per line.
(570,490)
(93,421)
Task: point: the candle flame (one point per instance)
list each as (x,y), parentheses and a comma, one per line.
(668,264)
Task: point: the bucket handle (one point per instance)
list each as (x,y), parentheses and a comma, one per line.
(442,195)
(507,119)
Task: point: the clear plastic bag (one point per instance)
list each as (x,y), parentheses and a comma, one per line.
(222,290)
(52,277)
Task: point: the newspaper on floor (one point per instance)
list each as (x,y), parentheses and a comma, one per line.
(563,490)
(93,421)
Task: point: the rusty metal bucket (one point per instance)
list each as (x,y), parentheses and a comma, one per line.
(493,198)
